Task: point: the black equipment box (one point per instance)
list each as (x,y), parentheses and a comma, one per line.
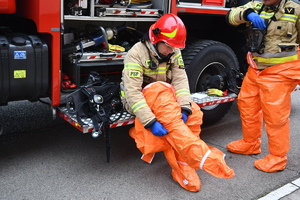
(24,67)
(79,72)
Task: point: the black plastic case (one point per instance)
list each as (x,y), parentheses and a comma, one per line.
(24,68)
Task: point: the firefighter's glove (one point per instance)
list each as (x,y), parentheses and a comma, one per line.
(214,92)
(158,129)
(256,20)
(184,116)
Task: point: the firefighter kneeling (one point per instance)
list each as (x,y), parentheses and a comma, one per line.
(155,88)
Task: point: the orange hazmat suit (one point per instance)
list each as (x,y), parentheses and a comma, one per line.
(266,95)
(182,147)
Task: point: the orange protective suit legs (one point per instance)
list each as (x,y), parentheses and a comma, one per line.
(267,94)
(183,148)
(251,117)
(276,110)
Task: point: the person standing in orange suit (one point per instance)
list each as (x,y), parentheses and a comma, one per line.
(272,75)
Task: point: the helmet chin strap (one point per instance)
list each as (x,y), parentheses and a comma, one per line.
(161,57)
(154,49)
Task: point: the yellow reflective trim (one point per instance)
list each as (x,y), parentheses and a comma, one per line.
(180,61)
(153,72)
(147,63)
(289,17)
(177,56)
(122,93)
(170,35)
(138,105)
(133,66)
(233,22)
(182,91)
(258,6)
(266,15)
(159,70)
(276,60)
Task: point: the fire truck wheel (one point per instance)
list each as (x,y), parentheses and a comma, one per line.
(202,59)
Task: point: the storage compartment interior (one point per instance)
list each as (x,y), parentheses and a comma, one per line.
(99,42)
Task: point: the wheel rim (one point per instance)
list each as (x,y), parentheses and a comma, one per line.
(213,68)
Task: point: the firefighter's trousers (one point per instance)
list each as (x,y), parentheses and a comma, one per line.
(265,95)
(182,147)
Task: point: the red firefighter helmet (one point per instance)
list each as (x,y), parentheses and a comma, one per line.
(169,29)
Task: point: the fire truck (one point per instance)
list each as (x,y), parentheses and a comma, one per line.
(49,48)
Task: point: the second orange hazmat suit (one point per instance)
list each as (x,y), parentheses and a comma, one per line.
(269,93)
(182,147)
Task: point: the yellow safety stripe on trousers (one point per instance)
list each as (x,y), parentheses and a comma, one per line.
(138,105)
(182,91)
(276,60)
(133,66)
(159,70)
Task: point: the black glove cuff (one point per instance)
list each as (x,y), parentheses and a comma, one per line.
(150,123)
(186,111)
(247,12)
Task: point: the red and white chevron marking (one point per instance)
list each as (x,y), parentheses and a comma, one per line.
(107,58)
(216,102)
(124,123)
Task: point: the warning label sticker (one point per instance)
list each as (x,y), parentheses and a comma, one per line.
(19,73)
(19,54)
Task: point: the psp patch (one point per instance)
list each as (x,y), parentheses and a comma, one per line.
(134,74)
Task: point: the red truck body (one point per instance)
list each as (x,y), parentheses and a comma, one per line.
(52,20)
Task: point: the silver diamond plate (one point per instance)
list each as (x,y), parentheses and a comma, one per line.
(124,117)
(209,99)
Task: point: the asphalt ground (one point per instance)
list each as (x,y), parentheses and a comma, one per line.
(42,158)
(289,191)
